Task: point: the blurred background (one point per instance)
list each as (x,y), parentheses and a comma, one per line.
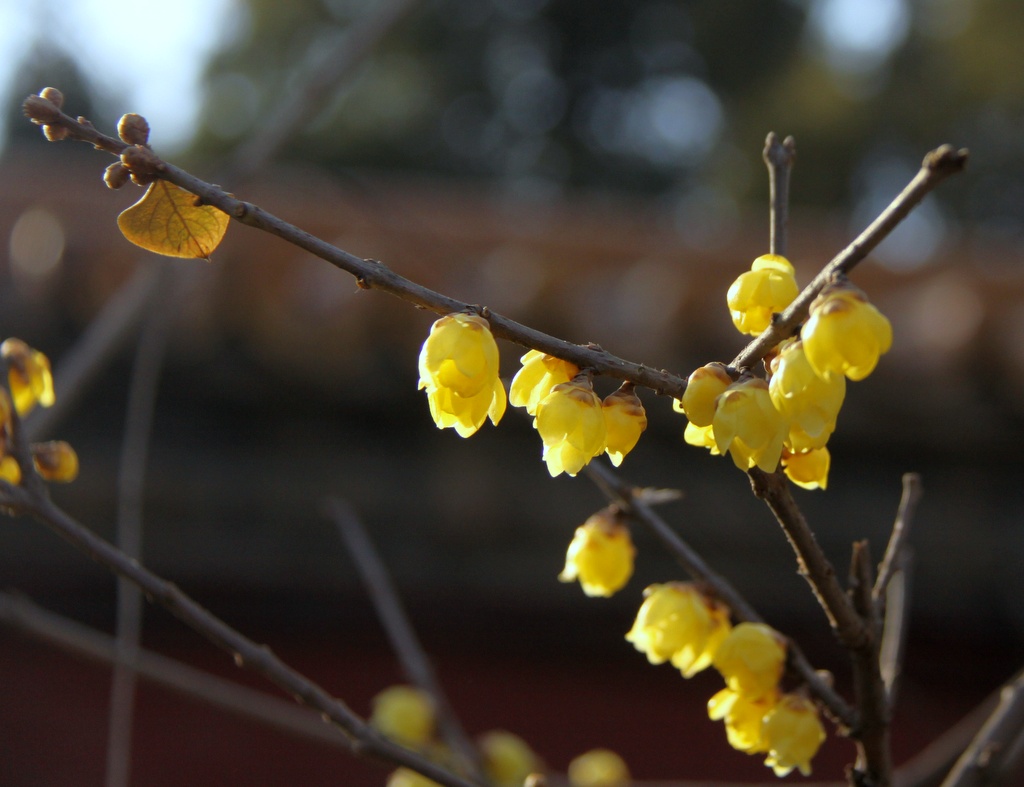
(593,170)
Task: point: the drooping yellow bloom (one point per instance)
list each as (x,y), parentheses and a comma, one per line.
(809,403)
(703,387)
(540,373)
(404,777)
(743,718)
(769,286)
(701,436)
(751,659)
(792,734)
(600,556)
(507,758)
(808,469)
(599,768)
(459,369)
(9,469)
(624,420)
(405,714)
(748,426)
(55,460)
(570,420)
(680,624)
(845,334)
(28,372)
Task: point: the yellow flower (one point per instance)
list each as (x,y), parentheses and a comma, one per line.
(748,426)
(751,659)
(540,373)
(808,469)
(703,387)
(28,372)
(701,436)
(600,556)
(570,420)
(808,402)
(404,777)
(507,758)
(845,334)
(55,460)
(679,623)
(599,768)
(9,470)
(625,420)
(743,718)
(769,286)
(459,368)
(405,714)
(793,734)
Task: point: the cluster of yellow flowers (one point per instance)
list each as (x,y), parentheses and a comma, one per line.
(789,417)
(459,370)
(406,715)
(682,624)
(31,384)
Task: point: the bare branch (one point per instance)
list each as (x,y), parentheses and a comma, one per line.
(401,632)
(779,157)
(912,492)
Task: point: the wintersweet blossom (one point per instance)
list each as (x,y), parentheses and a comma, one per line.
(28,373)
(459,370)
(748,426)
(845,334)
(743,718)
(703,387)
(808,469)
(571,423)
(539,374)
(404,713)
(680,624)
(751,659)
(599,768)
(625,420)
(768,287)
(600,556)
(701,437)
(507,758)
(792,734)
(809,403)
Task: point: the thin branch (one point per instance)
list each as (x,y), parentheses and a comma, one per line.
(874,766)
(401,632)
(895,627)
(188,681)
(632,505)
(779,157)
(937,166)
(994,752)
(812,564)
(363,739)
(912,492)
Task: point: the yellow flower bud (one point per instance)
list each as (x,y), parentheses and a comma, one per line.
(625,420)
(405,714)
(679,623)
(748,426)
(808,469)
(743,718)
(571,423)
(459,369)
(599,768)
(404,777)
(55,461)
(507,758)
(703,387)
(751,659)
(9,470)
(792,734)
(600,556)
(28,372)
(539,374)
(808,402)
(769,286)
(845,334)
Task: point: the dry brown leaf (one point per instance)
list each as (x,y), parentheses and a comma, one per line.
(167,221)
